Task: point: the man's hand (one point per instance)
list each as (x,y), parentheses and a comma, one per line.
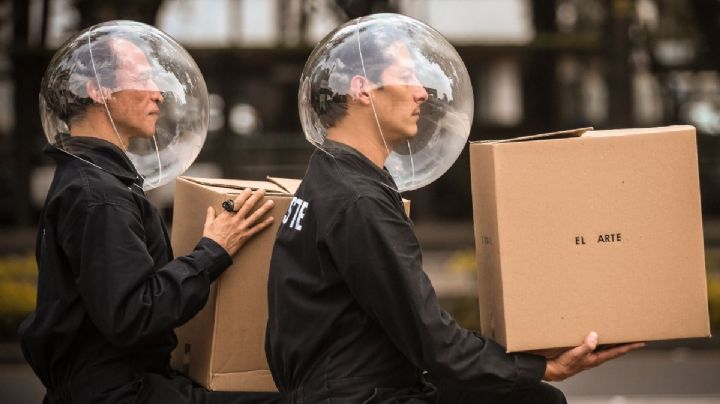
(233,229)
(583,357)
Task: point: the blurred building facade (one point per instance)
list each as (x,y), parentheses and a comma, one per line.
(536,66)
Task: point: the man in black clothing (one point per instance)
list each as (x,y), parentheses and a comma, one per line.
(352,316)
(109,291)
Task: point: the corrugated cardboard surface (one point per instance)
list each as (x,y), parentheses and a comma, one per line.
(222,347)
(601,232)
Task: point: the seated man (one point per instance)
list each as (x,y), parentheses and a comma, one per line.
(352,316)
(109,291)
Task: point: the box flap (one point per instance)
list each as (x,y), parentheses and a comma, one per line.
(271,188)
(290,185)
(640,131)
(561,134)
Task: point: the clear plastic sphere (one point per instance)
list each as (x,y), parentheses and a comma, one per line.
(134,86)
(395,82)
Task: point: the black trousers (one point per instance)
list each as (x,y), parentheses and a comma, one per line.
(429,391)
(542,393)
(151,388)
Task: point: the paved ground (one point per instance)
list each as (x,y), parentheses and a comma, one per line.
(651,376)
(18,385)
(647,400)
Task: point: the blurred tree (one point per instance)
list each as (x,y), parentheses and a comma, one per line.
(707,21)
(25,78)
(537,88)
(96,11)
(544,15)
(359,8)
(617,53)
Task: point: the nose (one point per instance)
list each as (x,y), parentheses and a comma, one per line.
(157,97)
(420,95)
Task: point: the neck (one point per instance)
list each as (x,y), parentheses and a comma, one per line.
(94,123)
(360,132)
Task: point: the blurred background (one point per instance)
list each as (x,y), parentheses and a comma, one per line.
(536,66)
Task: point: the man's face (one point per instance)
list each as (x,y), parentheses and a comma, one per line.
(135,100)
(397,102)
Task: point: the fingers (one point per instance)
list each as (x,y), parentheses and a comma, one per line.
(249,202)
(244,203)
(242,198)
(612,353)
(260,226)
(209,217)
(578,353)
(261,211)
(584,357)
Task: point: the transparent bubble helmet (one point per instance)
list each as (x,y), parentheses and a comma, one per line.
(412,84)
(142,90)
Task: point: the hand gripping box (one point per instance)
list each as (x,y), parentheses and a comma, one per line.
(223,346)
(585,230)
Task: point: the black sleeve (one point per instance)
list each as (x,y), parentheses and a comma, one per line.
(378,255)
(126,295)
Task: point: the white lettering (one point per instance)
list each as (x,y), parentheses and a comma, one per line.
(290,208)
(299,215)
(295,213)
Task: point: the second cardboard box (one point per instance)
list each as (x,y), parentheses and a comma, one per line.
(585,231)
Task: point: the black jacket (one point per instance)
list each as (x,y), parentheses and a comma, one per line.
(350,308)
(109,291)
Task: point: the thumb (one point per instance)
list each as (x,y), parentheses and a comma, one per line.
(588,345)
(577,353)
(209,217)
(591,341)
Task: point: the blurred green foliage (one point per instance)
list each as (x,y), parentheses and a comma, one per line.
(712,263)
(18,290)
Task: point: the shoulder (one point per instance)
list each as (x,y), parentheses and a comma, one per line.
(332,192)
(341,177)
(375,207)
(78,186)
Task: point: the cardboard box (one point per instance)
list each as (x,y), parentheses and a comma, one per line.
(223,347)
(581,231)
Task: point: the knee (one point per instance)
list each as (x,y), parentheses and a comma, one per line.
(547,394)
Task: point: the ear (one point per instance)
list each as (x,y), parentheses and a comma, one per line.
(98,95)
(359,90)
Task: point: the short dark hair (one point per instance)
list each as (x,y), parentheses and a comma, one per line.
(64,84)
(344,61)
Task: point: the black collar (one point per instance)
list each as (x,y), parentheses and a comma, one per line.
(95,152)
(337,149)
